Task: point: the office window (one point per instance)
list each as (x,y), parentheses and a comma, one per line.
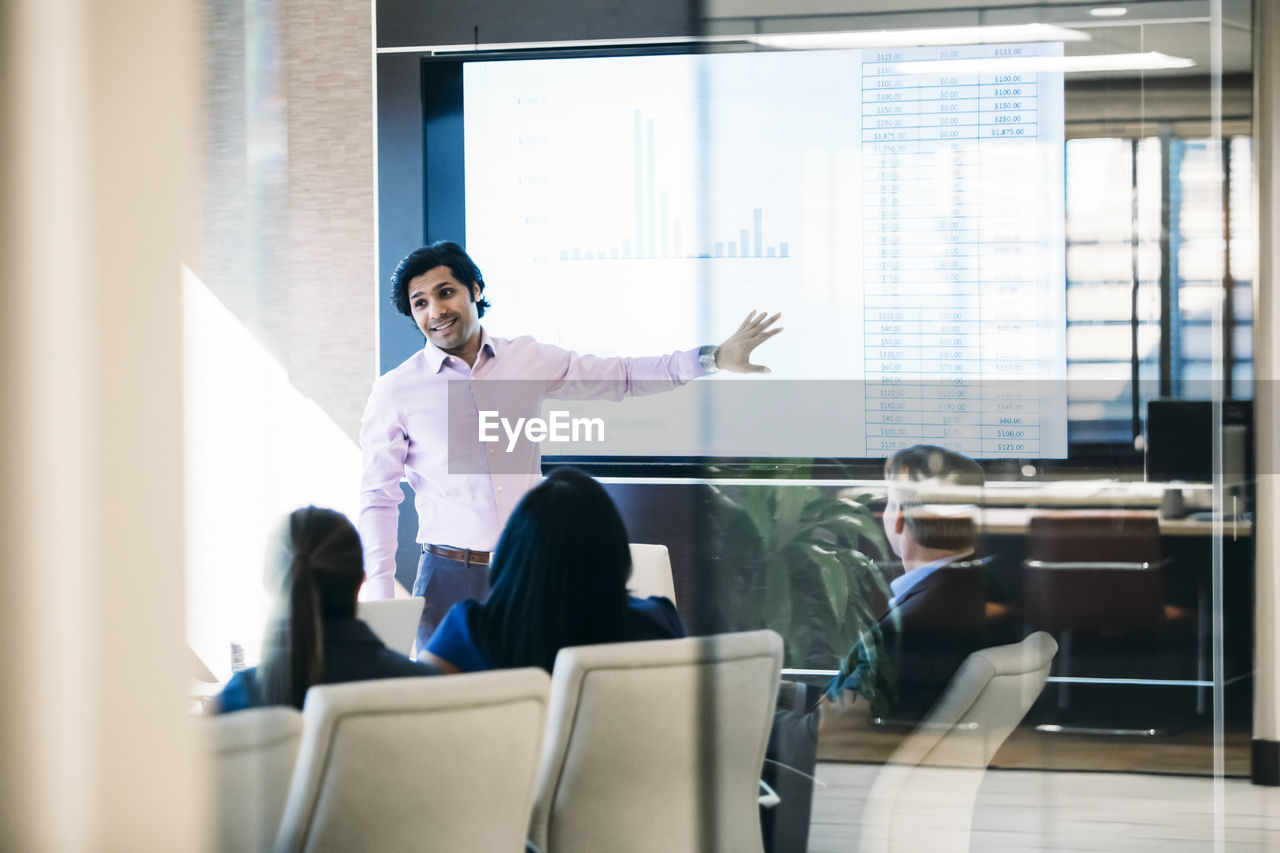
(1212,254)
(1124,266)
(1241,262)
(1113,276)
(1196,260)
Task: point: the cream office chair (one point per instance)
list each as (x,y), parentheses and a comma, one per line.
(394,620)
(651,572)
(923,797)
(657,746)
(252,753)
(418,764)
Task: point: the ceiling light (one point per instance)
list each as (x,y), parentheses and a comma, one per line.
(918,38)
(1108,11)
(1150,61)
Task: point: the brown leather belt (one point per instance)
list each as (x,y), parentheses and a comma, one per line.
(462,555)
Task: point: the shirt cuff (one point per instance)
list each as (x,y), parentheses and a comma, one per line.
(380,587)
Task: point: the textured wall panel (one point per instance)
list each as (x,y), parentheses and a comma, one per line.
(288,200)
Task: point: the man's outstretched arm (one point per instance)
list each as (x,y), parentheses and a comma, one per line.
(587,377)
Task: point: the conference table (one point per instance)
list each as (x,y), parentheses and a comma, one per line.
(1012,521)
(1006,507)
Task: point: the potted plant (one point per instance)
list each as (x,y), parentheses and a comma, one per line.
(794,558)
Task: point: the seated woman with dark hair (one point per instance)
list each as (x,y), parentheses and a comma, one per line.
(314,570)
(559,578)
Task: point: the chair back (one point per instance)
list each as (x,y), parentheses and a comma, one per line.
(252,753)
(923,797)
(658,745)
(651,572)
(394,620)
(418,764)
(1096,571)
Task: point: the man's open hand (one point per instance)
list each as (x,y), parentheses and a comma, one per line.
(735,352)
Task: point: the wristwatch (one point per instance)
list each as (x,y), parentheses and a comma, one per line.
(707,356)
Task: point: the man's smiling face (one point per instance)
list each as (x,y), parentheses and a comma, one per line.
(445,310)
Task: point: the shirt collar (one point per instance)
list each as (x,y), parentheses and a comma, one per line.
(437,357)
(900,586)
(488,344)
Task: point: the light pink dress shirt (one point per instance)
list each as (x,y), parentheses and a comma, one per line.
(405,431)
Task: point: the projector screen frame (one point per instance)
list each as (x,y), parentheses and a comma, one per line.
(436,143)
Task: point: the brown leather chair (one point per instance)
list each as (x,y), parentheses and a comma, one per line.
(1099,574)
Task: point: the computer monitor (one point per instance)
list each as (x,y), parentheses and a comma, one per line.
(1180,441)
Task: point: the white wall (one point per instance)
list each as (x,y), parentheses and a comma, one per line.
(280,320)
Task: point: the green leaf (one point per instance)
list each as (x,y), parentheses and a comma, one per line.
(834,575)
(863,519)
(846,635)
(777,596)
(737,514)
(844,506)
(869,568)
(851,528)
(821,505)
(863,618)
(754,500)
(789,504)
(846,518)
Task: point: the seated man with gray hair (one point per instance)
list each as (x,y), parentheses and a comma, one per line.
(935,613)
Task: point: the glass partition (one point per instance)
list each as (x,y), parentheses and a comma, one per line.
(1023,236)
(1133,553)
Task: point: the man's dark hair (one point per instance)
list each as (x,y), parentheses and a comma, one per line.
(922,474)
(442,253)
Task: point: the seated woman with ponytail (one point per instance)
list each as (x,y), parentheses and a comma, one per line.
(559,578)
(314,570)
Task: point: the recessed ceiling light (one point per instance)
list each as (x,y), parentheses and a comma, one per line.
(922,38)
(1150,61)
(1108,11)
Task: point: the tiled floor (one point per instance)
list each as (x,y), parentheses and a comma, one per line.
(1034,810)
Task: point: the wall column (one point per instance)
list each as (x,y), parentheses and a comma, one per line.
(1266,360)
(97,154)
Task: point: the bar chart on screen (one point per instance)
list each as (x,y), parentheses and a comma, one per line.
(707,176)
(660,234)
